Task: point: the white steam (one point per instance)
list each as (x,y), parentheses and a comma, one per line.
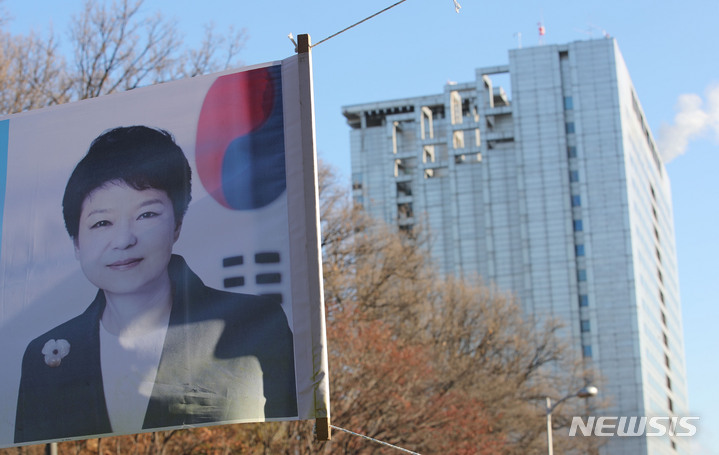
(694,118)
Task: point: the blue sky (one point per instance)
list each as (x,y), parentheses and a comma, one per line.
(415,48)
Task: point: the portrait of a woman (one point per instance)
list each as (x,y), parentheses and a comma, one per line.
(156,348)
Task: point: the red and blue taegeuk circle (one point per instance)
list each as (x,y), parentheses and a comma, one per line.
(240,147)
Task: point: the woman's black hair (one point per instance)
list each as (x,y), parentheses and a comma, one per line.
(139,156)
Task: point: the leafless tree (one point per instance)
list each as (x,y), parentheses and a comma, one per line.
(116,47)
(31,73)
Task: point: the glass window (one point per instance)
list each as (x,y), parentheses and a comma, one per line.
(585,325)
(582,275)
(570,127)
(587,350)
(578,226)
(576,200)
(568,103)
(583,300)
(572,151)
(404,189)
(573,176)
(579,249)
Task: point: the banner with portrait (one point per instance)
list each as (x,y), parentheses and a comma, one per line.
(124,308)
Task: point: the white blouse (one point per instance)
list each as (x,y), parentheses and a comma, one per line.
(129,366)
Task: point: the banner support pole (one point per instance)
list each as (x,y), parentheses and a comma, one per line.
(304,50)
(322,429)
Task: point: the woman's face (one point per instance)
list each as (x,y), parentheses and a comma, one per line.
(125,238)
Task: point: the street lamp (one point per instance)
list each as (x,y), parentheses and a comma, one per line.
(584,392)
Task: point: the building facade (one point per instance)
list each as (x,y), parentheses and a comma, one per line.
(543,177)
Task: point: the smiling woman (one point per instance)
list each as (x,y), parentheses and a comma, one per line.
(125,241)
(156,348)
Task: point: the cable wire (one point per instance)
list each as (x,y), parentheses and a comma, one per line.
(373,439)
(356,24)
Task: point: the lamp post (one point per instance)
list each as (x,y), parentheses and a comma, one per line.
(584,392)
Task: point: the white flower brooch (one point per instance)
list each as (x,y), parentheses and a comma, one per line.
(54,351)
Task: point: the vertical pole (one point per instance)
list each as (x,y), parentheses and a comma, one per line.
(304,51)
(322,425)
(550,449)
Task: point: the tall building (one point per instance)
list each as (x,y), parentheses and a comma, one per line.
(542,176)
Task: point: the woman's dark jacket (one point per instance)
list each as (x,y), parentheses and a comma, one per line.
(226,357)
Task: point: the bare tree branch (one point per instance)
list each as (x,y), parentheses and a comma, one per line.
(115,47)
(31,73)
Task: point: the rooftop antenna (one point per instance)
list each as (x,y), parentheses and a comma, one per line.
(542,30)
(589,31)
(518,35)
(604,32)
